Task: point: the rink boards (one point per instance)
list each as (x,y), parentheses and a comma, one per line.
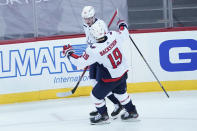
(36,69)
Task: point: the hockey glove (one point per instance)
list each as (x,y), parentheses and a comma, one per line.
(68,50)
(122,24)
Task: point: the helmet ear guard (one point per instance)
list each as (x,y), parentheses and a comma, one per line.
(88,12)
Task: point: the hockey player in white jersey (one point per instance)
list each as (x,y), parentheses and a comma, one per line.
(108,52)
(88,16)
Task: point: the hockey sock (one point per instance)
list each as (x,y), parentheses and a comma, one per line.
(102,110)
(113,99)
(129,106)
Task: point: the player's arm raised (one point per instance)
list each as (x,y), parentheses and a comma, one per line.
(80,61)
(123,29)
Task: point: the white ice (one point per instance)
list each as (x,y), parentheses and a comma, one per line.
(157,113)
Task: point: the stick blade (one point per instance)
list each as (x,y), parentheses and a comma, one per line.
(64,94)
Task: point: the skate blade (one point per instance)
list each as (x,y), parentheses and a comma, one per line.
(101,123)
(132,120)
(118,115)
(91,116)
(114,117)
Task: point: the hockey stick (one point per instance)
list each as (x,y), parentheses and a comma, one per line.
(145,61)
(65,94)
(112,19)
(148,66)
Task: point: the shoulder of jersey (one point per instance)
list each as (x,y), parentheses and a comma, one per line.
(100,20)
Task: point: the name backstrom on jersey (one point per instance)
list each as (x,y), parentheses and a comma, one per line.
(103,52)
(32,61)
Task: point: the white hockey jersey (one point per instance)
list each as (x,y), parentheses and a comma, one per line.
(89,37)
(109,54)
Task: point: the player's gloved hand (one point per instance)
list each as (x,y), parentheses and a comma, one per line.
(68,50)
(122,24)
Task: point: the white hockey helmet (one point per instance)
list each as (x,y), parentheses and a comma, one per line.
(98,29)
(87,12)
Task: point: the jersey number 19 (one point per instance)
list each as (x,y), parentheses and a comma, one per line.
(115,58)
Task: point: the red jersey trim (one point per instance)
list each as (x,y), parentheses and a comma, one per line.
(114,79)
(98,103)
(75,56)
(124,100)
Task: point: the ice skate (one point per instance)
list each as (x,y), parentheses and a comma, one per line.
(116,111)
(99,119)
(130,116)
(93,113)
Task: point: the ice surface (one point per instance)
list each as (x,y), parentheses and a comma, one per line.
(157,113)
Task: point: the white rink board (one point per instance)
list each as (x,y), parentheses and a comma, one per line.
(35,66)
(46,67)
(149,44)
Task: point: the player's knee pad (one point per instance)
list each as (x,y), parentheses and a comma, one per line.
(123,98)
(98,102)
(94,82)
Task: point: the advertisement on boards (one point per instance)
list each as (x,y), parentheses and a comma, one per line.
(39,65)
(171,55)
